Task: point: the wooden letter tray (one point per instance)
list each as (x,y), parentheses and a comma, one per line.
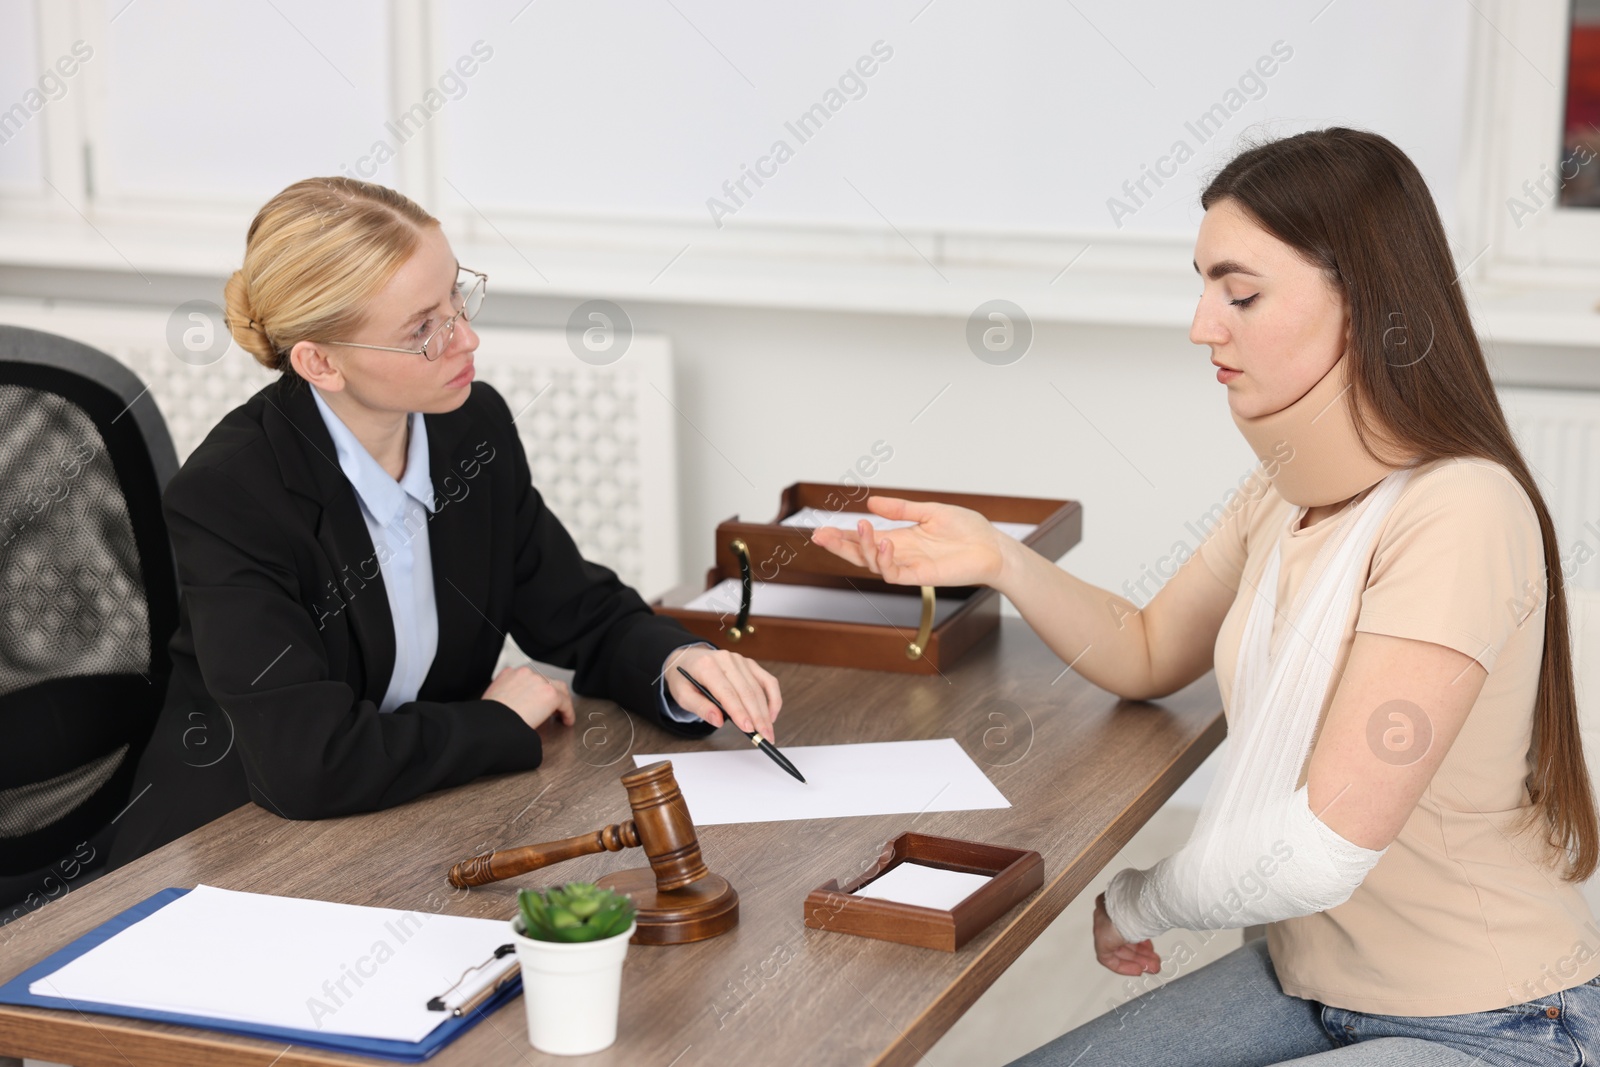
(772,552)
(1016,873)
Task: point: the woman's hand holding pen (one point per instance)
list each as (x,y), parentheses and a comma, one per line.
(949,545)
(532,696)
(748,692)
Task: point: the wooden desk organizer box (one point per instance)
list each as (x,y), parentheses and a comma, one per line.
(1015,873)
(773,552)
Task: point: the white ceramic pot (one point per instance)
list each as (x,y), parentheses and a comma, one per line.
(572,990)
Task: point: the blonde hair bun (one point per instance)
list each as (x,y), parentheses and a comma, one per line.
(247,333)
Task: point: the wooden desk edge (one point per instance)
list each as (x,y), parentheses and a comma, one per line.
(86,1040)
(112,1041)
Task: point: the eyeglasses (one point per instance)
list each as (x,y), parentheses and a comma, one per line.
(466,298)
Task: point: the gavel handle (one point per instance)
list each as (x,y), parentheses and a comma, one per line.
(510,862)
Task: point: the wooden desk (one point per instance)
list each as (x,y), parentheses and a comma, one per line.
(1083,771)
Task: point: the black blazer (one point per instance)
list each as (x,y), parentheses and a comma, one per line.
(285,644)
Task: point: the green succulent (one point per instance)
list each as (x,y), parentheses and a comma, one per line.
(577,911)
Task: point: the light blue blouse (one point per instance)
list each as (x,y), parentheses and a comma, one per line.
(396,514)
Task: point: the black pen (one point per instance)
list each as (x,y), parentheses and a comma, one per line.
(755,737)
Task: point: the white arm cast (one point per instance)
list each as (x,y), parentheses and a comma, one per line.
(1258,853)
(1280,862)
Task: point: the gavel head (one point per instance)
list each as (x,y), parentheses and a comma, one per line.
(666,833)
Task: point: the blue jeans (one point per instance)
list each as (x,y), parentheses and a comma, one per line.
(1233,1013)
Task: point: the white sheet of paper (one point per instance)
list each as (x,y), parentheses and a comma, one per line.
(282,961)
(876,778)
(928,887)
(817,602)
(846,520)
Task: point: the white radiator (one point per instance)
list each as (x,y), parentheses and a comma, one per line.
(1559,433)
(600,439)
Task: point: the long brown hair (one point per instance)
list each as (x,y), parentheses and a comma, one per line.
(1354,205)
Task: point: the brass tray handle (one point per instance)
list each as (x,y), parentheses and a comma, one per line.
(742,625)
(924,628)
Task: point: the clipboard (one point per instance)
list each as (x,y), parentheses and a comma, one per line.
(16,991)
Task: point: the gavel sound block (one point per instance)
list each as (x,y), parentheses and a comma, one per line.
(678,899)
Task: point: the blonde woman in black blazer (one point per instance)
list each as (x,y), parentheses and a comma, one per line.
(288,653)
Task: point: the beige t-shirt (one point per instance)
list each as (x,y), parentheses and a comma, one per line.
(1464,912)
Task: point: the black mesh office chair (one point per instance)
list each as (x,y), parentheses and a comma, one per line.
(88,601)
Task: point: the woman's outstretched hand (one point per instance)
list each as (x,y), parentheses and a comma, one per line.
(949,545)
(1115,954)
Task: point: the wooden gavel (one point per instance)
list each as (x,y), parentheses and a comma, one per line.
(677,897)
(660,824)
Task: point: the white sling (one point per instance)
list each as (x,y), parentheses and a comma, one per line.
(1258,853)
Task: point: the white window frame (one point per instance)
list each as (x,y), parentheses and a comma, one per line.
(1514,137)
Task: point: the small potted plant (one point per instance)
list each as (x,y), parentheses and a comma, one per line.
(571,941)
